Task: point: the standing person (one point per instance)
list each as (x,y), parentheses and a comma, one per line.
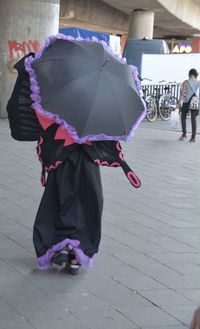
(189,93)
(67,229)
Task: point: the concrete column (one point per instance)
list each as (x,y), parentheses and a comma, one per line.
(24,24)
(141,24)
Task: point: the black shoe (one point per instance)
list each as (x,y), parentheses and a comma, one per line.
(183,137)
(73,265)
(60,260)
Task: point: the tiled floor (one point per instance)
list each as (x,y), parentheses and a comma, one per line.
(147,273)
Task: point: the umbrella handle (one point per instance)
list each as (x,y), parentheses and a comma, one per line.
(106,61)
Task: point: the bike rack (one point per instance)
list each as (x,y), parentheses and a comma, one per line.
(151,89)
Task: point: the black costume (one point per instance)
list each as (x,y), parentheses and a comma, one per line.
(71,207)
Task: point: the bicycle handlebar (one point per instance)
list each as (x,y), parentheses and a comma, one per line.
(142,79)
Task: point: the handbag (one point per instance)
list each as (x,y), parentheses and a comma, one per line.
(174,119)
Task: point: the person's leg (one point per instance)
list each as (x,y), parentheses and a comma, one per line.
(194,114)
(184,111)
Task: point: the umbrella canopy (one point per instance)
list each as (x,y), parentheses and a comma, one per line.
(84,87)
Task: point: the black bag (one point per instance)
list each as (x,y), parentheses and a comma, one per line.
(23,121)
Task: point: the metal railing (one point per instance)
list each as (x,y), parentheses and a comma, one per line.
(172,87)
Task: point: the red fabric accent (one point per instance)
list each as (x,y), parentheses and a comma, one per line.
(123,41)
(196,45)
(62,133)
(44,121)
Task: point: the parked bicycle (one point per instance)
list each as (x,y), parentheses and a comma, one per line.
(160,100)
(150,102)
(167,102)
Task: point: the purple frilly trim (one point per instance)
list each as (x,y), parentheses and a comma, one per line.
(134,71)
(35,92)
(44,262)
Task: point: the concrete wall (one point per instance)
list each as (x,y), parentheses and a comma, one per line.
(93,14)
(23,26)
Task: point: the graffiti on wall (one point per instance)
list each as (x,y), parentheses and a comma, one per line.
(17,50)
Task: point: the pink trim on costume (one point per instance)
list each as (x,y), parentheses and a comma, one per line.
(98,162)
(39,151)
(39,148)
(53,166)
(42,180)
(44,120)
(121,156)
(133,179)
(41,140)
(118,146)
(115,164)
(105,163)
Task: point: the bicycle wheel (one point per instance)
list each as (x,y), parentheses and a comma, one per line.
(151,108)
(166,105)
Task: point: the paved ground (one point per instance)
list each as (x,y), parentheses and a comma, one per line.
(147,273)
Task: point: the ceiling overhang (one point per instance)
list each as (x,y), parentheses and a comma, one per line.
(168,22)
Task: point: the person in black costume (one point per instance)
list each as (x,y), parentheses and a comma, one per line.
(67,228)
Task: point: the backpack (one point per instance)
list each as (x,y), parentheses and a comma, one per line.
(193,103)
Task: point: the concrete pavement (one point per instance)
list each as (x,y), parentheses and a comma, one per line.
(147,273)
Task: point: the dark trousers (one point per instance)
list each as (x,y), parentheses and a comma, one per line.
(194,113)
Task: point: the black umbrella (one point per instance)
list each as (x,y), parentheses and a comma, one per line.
(84,87)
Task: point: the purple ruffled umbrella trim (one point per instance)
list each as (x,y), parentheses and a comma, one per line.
(44,262)
(35,92)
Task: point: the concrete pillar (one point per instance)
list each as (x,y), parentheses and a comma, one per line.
(24,24)
(141,24)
